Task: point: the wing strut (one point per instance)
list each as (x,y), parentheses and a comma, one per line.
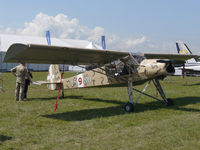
(129,107)
(168,102)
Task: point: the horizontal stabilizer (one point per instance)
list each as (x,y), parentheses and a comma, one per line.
(44,82)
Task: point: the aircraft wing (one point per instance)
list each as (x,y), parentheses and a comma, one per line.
(44,54)
(176,58)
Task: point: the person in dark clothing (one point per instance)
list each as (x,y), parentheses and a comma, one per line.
(27,83)
(20,72)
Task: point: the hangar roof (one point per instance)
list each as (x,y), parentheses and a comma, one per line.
(6,40)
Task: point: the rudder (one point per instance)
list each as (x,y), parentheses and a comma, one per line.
(53,77)
(182,48)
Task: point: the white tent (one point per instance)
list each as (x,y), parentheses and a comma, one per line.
(7,40)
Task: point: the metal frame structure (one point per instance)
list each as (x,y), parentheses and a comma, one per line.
(129,107)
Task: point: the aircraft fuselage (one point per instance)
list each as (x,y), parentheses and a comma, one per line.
(104,76)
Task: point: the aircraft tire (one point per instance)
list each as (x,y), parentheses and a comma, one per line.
(129,107)
(170,102)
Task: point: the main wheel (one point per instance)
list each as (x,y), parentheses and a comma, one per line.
(170,102)
(129,107)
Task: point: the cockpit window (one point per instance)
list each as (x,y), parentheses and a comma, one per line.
(138,57)
(118,68)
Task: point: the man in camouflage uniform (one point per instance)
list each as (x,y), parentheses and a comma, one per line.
(20,72)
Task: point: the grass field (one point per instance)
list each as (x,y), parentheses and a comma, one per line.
(94,118)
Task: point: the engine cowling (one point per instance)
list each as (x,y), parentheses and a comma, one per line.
(170,69)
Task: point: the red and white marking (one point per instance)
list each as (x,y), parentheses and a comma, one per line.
(80,80)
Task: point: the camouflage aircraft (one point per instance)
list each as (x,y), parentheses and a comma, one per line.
(111,68)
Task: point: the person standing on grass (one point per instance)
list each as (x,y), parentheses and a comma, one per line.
(27,83)
(20,72)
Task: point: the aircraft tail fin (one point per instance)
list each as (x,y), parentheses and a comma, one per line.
(53,77)
(182,48)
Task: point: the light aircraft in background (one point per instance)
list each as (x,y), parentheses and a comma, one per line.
(191,67)
(115,68)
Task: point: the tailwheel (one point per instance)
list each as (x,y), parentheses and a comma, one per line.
(129,107)
(170,102)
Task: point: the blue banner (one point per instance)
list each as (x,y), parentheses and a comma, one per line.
(103,42)
(48,37)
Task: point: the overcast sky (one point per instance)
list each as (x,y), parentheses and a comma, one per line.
(129,25)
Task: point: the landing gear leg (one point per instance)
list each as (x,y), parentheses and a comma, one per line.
(129,107)
(166,101)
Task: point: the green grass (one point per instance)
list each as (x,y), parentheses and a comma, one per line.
(93,118)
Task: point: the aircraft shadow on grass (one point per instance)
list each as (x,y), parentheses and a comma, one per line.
(192,84)
(88,114)
(4,138)
(53,98)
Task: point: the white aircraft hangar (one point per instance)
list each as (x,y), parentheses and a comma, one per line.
(6,40)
